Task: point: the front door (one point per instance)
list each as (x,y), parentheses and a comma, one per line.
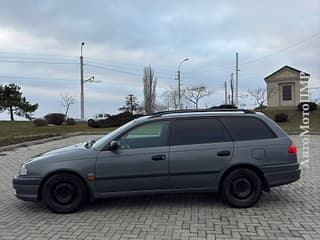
(139,163)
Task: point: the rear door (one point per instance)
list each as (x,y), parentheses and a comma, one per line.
(200,149)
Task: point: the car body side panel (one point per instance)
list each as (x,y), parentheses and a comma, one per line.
(275,165)
(79,161)
(197,165)
(275,151)
(132,170)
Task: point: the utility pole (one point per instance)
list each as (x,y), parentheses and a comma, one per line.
(176,101)
(237,84)
(225,92)
(81,83)
(179,89)
(232,88)
(179,82)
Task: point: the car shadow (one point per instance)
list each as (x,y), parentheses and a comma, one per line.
(158,200)
(167,202)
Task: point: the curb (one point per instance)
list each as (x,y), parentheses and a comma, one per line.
(44,140)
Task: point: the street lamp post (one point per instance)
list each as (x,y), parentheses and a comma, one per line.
(90,79)
(81,83)
(179,82)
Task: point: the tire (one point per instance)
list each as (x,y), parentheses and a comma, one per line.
(64,193)
(241,188)
(91,123)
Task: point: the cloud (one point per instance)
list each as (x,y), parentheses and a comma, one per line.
(121,37)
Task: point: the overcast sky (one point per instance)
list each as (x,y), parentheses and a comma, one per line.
(40,47)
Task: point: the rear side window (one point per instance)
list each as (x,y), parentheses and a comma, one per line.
(197,131)
(247,128)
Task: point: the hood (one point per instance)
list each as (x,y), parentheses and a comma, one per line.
(61,158)
(72,148)
(68,153)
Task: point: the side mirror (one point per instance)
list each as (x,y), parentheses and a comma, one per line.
(113,146)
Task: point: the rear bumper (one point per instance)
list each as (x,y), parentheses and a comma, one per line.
(26,188)
(283,174)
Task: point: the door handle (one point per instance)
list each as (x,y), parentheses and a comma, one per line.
(224,153)
(158,157)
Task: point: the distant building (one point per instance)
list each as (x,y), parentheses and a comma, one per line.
(283,87)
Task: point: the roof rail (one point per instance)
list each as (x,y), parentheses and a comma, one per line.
(159,114)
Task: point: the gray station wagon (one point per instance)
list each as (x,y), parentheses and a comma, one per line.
(238,153)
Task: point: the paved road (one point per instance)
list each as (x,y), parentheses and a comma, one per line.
(288,212)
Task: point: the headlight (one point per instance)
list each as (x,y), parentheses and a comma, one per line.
(23,170)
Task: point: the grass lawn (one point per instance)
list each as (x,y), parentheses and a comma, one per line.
(295,118)
(21,131)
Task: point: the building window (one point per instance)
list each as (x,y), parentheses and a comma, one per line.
(287,93)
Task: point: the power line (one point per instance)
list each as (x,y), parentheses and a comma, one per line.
(282,50)
(105,67)
(112,69)
(99,61)
(36,78)
(115,67)
(301,42)
(35,55)
(38,62)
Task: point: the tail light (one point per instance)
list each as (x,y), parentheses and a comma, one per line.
(292,149)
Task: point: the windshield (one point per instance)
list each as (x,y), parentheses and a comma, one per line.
(100,143)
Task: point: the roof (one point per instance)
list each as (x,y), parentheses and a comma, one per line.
(199,111)
(284,67)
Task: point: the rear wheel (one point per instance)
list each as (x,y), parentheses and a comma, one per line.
(241,188)
(64,193)
(91,123)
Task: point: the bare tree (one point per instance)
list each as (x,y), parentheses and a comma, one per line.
(149,90)
(260,96)
(161,106)
(66,102)
(195,93)
(170,99)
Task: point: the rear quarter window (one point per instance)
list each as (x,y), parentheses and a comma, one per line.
(247,128)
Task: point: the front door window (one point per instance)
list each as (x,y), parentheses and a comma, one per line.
(148,135)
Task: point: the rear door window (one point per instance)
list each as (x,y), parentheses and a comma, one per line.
(247,128)
(198,131)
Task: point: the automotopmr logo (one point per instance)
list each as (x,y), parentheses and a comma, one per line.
(305,122)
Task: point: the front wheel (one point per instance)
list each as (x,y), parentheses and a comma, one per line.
(241,188)
(64,193)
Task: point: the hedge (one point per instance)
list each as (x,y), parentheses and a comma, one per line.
(114,120)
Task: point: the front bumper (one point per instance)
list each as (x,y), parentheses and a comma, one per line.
(277,175)
(26,188)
